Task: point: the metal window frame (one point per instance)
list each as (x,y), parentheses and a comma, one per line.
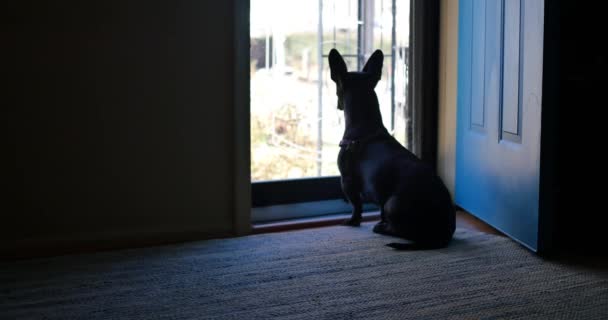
(423,107)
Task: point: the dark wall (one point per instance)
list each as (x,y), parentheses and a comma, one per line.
(119,119)
(575,96)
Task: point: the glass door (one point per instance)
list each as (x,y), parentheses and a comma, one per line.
(295,125)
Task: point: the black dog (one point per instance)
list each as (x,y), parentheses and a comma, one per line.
(414,203)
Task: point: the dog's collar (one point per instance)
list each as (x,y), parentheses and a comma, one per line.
(349,144)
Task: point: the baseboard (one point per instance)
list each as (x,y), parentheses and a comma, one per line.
(78,244)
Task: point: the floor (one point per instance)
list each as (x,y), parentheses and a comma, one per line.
(468,221)
(463,220)
(316,273)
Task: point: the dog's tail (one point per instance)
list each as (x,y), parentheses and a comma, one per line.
(411,246)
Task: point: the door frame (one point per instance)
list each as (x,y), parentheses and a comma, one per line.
(423,102)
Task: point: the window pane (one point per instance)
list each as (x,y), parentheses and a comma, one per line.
(295,125)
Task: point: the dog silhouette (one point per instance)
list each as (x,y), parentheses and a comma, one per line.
(374,167)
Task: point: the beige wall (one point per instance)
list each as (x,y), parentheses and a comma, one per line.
(448,62)
(121,115)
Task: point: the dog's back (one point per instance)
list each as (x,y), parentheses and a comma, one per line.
(415,200)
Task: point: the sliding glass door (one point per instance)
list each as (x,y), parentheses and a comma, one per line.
(295,125)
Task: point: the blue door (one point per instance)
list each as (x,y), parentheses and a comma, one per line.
(499,114)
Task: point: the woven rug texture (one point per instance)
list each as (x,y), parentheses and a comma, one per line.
(325,273)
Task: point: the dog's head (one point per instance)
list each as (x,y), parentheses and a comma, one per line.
(348,83)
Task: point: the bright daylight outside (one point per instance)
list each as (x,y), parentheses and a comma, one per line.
(295,125)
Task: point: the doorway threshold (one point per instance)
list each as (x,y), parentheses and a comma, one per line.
(310,222)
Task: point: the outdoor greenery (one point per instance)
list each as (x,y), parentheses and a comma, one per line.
(281,147)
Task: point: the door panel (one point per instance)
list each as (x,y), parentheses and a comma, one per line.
(497,168)
(511,71)
(477,65)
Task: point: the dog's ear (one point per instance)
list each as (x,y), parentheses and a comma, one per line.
(374,65)
(336,65)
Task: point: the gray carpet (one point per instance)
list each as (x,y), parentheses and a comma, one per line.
(326,273)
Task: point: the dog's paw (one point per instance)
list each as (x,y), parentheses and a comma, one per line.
(382,228)
(352,222)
